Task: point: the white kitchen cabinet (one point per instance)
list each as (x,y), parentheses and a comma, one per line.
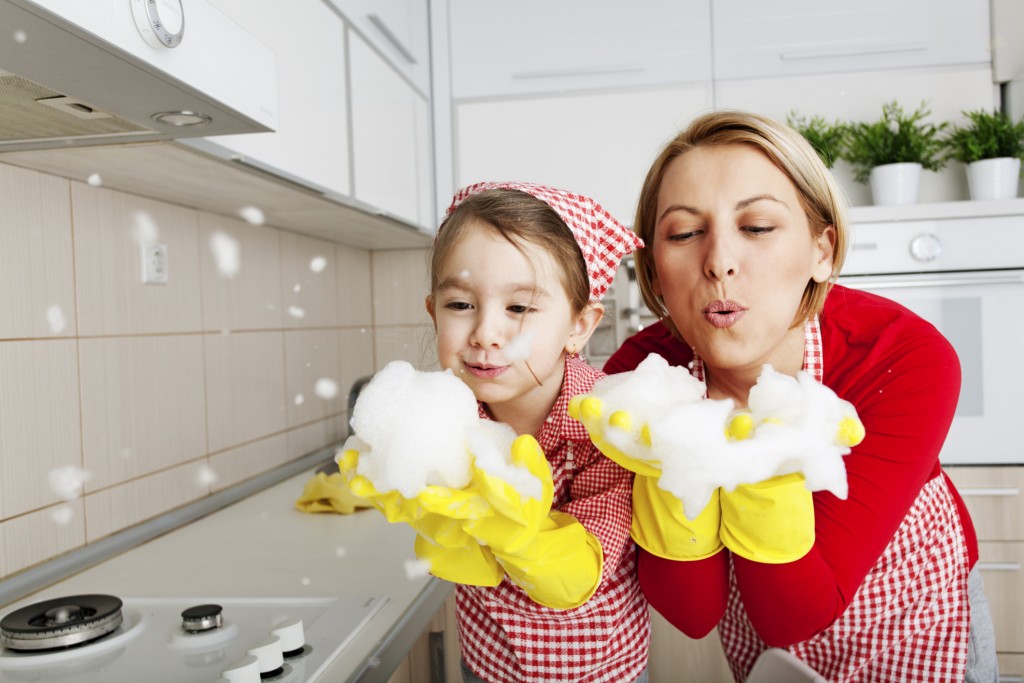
(311,142)
(399,30)
(598,143)
(995,498)
(537,46)
(391,140)
(755,39)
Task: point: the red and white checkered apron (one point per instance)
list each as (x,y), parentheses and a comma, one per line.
(908,622)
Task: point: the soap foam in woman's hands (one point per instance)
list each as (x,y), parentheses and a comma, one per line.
(796,428)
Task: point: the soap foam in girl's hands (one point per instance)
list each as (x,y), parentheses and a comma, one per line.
(415,428)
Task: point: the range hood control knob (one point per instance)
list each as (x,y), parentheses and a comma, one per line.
(271,659)
(292,635)
(925,247)
(245,670)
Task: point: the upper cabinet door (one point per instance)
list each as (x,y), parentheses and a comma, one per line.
(544,46)
(399,29)
(311,142)
(756,39)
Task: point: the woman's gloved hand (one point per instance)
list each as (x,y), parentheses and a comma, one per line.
(329,493)
(547,553)
(660,525)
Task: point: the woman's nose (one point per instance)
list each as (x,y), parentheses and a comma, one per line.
(721,261)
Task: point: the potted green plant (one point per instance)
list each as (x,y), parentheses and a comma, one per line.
(826,138)
(891,152)
(991,145)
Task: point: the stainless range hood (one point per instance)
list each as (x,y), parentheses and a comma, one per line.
(78,73)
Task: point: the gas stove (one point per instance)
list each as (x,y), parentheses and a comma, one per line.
(94,638)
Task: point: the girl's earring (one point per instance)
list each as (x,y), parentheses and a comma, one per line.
(572,351)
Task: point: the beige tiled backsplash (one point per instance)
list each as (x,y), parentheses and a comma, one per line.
(120,400)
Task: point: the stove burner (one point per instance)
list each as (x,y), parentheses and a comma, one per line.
(60,622)
(202,618)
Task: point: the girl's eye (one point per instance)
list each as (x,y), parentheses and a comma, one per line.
(518,309)
(458,305)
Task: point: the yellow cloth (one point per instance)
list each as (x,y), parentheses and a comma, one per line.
(329,493)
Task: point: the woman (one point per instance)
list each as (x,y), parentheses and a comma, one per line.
(745,233)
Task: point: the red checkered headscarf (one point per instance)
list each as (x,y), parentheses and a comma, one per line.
(602,239)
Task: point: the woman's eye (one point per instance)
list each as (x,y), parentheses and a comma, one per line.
(758,229)
(682,235)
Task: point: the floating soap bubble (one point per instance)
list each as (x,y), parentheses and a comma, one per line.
(68,481)
(144,228)
(297,288)
(416,569)
(299,399)
(226,253)
(252,215)
(296,312)
(519,347)
(318,264)
(207,476)
(326,388)
(94,179)
(20,36)
(55,319)
(62,514)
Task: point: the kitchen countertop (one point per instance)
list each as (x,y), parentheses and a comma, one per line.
(263,547)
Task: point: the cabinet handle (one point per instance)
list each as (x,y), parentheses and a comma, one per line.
(990,492)
(582,71)
(851,282)
(392,38)
(999,566)
(852,51)
(1011,678)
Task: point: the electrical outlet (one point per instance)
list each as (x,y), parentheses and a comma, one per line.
(154,264)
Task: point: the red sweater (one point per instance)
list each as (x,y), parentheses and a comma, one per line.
(904,379)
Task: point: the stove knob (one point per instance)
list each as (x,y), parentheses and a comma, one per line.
(292,635)
(268,652)
(925,247)
(245,670)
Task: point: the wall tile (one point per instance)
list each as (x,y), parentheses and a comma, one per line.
(354,294)
(109,228)
(238,464)
(119,507)
(39,422)
(36,260)
(413,343)
(241,274)
(143,405)
(245,387)
(312,437)
(356,350)
(309,276)
(313,375)
(400,285)
(41,535)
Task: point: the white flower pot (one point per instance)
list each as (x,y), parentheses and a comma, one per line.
(993,178)
(895,183)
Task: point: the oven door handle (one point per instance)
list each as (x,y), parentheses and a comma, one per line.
(937,282)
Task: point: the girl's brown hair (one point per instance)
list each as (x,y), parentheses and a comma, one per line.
(518,217)
(819,194)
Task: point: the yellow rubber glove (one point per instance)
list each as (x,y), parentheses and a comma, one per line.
(547,553)
(659,523)
(329,493)
(437,515)
(772,521)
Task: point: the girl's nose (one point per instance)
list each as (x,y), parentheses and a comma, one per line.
(488,331)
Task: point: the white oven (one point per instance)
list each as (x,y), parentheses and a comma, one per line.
(965,275)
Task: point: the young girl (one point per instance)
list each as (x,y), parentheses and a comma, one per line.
(517,275)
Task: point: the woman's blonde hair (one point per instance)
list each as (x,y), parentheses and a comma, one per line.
(819,194)
(518,217)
